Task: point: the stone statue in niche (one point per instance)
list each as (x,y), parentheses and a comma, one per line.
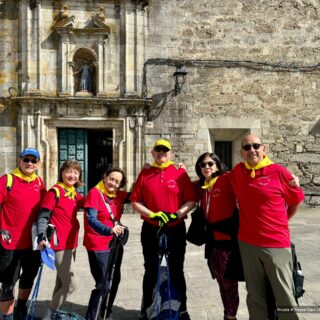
(85,79)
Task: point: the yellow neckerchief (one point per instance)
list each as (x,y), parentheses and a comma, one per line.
(264,163)
(208,185)
(162,165)
(70,191)
(100,186)
(18,173)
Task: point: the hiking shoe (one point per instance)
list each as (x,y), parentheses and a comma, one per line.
(143,317)
(20,314)
(184,315)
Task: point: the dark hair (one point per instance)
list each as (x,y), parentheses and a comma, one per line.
(124,178)
(216,159)
(73,164)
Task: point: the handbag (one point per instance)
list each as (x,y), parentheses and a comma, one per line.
(298,277)
(197,232)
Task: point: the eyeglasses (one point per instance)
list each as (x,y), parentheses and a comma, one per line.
(161,149)
(255,146)
(204,164)
(27,160)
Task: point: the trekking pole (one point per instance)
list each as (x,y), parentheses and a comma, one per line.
(110,269)
(31,309)
(165,239)
(163,250)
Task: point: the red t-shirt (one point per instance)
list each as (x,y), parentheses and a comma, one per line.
(93,240)
(221,205)
(163,190)
(64,217)
(20,208)
(263,204)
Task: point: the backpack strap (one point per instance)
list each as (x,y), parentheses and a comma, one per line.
(9,181)
(57,192)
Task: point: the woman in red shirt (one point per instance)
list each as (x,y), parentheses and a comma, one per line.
(59,208)
(218,203)
(103,210)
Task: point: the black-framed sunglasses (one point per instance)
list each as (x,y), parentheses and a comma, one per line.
(27,160)
(209,164)
(161,149)
(255,146)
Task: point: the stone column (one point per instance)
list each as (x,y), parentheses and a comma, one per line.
(66,67)
(33,48)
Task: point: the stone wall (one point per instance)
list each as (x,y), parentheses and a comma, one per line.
(247,61)
(9,72)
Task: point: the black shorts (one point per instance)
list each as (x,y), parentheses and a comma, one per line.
(21,263)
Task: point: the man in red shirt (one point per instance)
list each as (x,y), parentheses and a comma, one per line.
(159,190)
(266,202)
(19,202)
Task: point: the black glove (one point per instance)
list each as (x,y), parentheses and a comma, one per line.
(5,235)
(41,237)
(172,216)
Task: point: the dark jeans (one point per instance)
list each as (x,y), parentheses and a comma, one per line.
(176,247)
(99,261)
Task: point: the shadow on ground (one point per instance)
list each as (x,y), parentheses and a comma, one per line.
(117,314)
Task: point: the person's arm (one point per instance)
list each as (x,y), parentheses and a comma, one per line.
(99,227)
(141,209)
(291,210)
(42,225)
(185,208)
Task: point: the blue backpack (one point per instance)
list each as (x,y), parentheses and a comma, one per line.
(166,296)
(166,299)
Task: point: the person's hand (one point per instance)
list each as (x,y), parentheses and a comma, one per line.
(173,216)
(180,165)
(294,182)
(42,244)
(159,216)
(5,235)
(42,241)
(117,229)
(146,165)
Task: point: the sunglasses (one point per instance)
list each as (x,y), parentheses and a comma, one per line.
(161,149)
(209,164)
(27,160)
(255,146)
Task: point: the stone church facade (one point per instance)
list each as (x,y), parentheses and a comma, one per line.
(250,66)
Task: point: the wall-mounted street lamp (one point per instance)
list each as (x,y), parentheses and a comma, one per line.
(180,78)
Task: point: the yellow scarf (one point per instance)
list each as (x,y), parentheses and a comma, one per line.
(162,165)
(18,173)
(70,191)
(264,163)
(208,185)
(100,186)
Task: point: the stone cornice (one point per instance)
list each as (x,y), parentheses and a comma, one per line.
(85,101)
(66,26)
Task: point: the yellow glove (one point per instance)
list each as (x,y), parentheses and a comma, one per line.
(159,216)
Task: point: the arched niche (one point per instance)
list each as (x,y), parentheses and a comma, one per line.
(82,57)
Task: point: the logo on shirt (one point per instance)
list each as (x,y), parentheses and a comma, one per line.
(215,193)
(263,181)
(172,184)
